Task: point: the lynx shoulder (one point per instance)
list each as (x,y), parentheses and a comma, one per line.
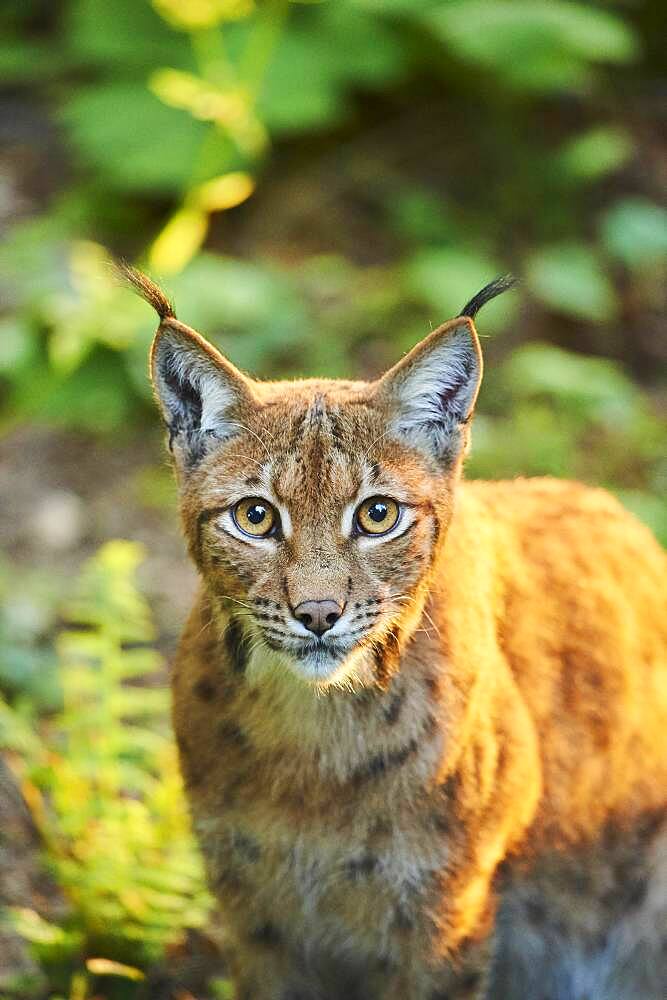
(422,722)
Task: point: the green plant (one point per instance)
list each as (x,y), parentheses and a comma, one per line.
(171,110)
(103,784)
(553,412)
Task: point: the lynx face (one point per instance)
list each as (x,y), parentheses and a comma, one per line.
(314,509)
(314,530)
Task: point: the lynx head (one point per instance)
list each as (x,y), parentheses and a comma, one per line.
(314,510)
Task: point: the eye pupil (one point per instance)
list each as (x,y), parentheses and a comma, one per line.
(256,513)
(377,512)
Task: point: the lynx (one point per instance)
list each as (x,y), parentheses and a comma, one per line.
(422,722)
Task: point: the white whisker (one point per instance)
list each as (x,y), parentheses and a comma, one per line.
(247,458)
(376,441)
(257,437)
(226,597)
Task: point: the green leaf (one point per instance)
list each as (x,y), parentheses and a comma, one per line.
(319,61)
(592,387)
(421,217)
(650,509)
(95,397)
(131,704)
(107,595)
(634,230)
(595,153)
(285,104)
(18,733)
(17,344)
(445,278)
(409,7)
(250,310)
(124,35)
(222,989)
(533,44)
(33,261)
(569,277)
(536,441)
(361,49)
(23,61)
(150,147)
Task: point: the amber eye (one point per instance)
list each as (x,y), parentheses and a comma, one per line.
(377,515)
(255,517)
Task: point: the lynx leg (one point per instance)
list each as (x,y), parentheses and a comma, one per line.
(592,927)
(267,971)
(637,945)
(464,978)
(260,975)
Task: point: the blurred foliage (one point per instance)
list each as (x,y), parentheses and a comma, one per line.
(100,775)
(453,140)
(551,412)
(169,111)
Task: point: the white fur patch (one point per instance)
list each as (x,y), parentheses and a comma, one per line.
(437,391)
(192,367)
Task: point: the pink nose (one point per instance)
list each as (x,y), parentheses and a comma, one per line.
(318,616)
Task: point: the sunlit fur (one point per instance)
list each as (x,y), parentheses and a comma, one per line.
(460,790)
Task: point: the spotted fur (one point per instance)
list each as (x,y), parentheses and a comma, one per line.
(460,790)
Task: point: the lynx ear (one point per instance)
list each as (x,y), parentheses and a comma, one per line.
(430,394)
(201,395)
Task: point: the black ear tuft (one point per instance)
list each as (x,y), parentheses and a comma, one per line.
(147,289)
(489,292)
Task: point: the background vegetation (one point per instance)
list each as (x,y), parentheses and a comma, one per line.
(316,184)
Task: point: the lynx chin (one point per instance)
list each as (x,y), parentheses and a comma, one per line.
(422,722)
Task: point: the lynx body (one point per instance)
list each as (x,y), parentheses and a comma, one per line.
(422,722)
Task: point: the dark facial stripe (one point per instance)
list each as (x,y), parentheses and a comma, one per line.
(381,763)
(273,644)
(402,921)
(387,659)
(235,646)
(336,429)
(264,616)
(230,733)
(285,590)
(444,815)
(246,847)
(393,709)
(202,520)
(358,868)
(204,689)
(266,934)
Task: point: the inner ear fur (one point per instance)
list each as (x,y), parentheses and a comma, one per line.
(430,394)
(201,395)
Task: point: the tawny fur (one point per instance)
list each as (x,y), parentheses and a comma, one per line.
(475,805)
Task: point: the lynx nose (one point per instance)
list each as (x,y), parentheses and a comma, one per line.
(318,616)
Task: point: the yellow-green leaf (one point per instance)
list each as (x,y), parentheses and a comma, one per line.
(179,241)
(105,967)
(223,192)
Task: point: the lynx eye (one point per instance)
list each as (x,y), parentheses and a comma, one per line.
(255,517)
(377,515)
